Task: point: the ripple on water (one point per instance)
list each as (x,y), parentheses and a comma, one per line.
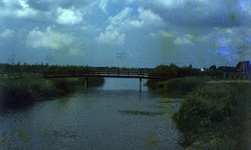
(94,119)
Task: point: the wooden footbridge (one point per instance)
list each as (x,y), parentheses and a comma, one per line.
(104,74)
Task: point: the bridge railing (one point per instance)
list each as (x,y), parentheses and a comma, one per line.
(111,73)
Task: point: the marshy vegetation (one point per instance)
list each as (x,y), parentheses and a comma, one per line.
(24,84)
(136,112)
(211,117)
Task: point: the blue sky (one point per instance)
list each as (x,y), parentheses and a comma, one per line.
(149,32)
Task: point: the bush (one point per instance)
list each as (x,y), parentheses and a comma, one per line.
(64,85)
(17,93)
(205,105)
(183,84)
(46,90)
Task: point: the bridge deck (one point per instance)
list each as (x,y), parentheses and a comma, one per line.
(104,74)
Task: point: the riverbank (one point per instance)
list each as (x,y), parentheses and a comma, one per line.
(214,117)
(32,87)
(215,114)
(182,85)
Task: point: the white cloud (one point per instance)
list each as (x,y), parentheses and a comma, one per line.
(103,4)
(166,34)
(48,39)
(123,20)
(17,9)
(26,13)
(68,16)
(162,34)
(225,37)
(161,3)
(149,18)
(76,52)
(111,38)
(126,21)
(23,3)
(246,6)
(7,33)
(119,18)
(169,3)
(184,40)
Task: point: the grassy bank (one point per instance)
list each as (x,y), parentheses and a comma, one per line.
(211,117)
(34,86)
(183,85)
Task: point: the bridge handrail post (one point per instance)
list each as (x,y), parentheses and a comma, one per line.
(118,72)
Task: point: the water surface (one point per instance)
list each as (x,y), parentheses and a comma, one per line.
(112,116)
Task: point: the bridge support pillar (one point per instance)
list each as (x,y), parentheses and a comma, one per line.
(86,82)
(140,84)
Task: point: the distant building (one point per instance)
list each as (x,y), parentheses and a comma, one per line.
(243,67)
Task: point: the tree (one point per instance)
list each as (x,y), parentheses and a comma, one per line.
(213,67)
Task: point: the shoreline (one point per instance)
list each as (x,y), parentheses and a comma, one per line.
(205,128)
(34,87)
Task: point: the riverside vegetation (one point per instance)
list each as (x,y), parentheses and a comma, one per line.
(211,116)
(24,85)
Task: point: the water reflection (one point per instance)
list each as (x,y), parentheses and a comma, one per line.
(97,118)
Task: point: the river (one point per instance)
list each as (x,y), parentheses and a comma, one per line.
(112,116)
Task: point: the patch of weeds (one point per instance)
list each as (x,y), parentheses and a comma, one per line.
(135,112)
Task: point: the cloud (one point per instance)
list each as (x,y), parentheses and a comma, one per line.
(124,20)
(103,4)
(120,17)
(184,40)
(168,3)
(7,33)
(76,52)
(26,13)
(49,39)
(68,16)
(162,34)
(160,3)
(111,38)
(149,18)
(17,9)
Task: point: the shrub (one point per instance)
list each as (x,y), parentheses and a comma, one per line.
(46,90)
(64,85)
(205,105)
(183,84)
(17,93)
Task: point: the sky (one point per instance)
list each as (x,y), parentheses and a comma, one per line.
(125,33)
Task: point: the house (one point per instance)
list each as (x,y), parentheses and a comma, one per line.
(243,67)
